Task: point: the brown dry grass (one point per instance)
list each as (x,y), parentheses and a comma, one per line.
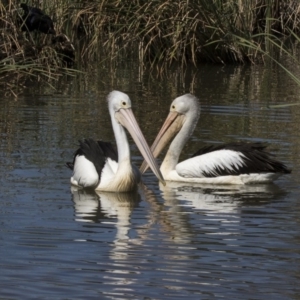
(158,32)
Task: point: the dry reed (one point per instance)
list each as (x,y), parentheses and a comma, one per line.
(158,32)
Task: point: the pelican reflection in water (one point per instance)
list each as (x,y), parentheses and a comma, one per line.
(106,208)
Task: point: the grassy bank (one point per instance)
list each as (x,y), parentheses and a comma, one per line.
(216,31)
(158,32)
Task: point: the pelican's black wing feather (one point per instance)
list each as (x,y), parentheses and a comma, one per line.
(109,150)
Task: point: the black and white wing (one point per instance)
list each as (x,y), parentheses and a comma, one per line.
(92,160)
(230,159)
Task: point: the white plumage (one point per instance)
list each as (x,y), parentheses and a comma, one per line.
(198,166)
(84,172)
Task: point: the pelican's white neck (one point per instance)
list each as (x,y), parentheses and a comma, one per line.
(122,143)
(171,159)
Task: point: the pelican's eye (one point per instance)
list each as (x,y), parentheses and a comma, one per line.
(173,106)
(124,103)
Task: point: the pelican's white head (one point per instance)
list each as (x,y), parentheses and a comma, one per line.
(187,105)
(117,100)
(181,121)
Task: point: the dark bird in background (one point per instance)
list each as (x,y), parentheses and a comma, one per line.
(35,19)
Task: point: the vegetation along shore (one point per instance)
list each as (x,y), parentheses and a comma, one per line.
(46,39)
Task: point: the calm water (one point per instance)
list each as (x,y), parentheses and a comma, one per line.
(174,242)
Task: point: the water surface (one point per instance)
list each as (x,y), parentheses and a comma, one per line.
(174,242)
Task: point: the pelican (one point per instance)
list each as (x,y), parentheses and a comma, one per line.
(234,163)
(97,165)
